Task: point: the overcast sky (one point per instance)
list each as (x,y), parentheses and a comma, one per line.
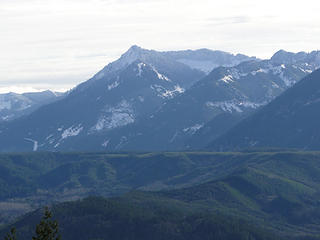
(56,44)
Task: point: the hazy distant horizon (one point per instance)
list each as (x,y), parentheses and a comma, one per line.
(59,44)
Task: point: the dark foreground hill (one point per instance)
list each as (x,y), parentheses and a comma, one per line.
(140,217)
(276,191)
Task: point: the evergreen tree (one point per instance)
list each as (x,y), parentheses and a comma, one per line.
(47,229)
(11,235)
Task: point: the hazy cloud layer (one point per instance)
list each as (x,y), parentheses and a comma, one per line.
(59,43)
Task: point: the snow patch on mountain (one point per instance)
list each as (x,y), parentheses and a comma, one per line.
(172,93)
(166,93)
(280,71)
(304,70)
(50,139)
(160,76)
(71,131)
(275,70)
(234,105)
(227,79)
(50,136)
(274,85)
(35,143)
(140,68)
(113,85)
(260,70)
(253,105)
(193,129)
(175,135)
(231,75)
(105,143)
(113,117)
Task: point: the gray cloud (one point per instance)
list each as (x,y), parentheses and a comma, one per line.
(64,42)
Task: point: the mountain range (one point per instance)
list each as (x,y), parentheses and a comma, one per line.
(213,105)
(158,101)
(135,85)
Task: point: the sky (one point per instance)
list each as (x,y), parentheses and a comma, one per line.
(56,44)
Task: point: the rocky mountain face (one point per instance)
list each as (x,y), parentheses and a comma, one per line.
(14,105)
(290,121)
(149,100)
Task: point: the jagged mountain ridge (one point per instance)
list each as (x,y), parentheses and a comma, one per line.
(203,59)
(290,58)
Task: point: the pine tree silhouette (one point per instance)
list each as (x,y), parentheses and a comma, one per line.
(11,235)
(47,229)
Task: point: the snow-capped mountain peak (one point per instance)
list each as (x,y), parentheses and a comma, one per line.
(133,54)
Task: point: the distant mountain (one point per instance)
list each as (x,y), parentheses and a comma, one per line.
(149,100)
(206,60)
(211,106)
(135,85)
(290,121)
(14,105)
(292,58)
